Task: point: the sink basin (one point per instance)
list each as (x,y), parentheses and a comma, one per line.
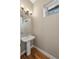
(27,38)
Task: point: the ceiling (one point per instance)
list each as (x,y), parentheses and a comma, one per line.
(33,1)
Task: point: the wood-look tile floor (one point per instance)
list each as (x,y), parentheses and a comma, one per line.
(35,54)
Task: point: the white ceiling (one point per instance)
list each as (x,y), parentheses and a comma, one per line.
(33,1)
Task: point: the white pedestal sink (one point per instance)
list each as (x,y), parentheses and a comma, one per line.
(28,39)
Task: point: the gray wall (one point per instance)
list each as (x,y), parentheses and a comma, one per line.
(46,29)
(23,46)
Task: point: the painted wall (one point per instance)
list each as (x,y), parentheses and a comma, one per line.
(46,29)
(24,26)
(27,4)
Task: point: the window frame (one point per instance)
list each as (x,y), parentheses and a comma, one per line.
(51,8)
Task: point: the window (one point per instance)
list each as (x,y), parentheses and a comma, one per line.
(51,8)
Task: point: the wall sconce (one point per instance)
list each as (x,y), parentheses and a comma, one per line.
(25,11)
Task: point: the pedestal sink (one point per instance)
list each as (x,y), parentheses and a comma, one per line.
(28,40)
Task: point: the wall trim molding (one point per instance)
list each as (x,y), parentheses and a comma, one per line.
(45,53)
(22,52)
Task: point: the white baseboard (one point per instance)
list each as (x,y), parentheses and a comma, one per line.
(45,53)
(22,52)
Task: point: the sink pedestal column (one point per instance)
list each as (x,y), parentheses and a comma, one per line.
(28,48)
